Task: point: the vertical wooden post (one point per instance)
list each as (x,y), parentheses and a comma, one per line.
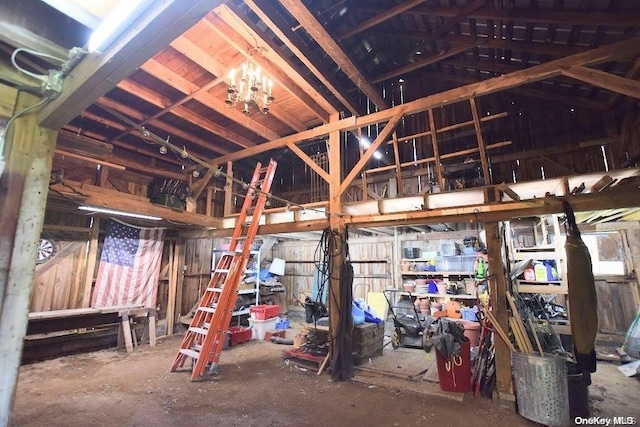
(208,209)
(498,296)
(173,281)
(436,152)
(396,155)
(483,152)
(336,225)
(228,192)
(365,187)
(91,261)
(23,194)
(178,254)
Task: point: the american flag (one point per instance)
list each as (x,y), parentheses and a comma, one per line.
(129,266)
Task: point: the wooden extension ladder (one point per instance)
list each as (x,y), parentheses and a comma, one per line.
(205,337)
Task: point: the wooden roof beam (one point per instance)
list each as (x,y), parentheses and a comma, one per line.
(384,16)
(603,79)
(300,12)
(96,74)
(633,73)
(290,80)
(526,91)
(544,71)
(268,14)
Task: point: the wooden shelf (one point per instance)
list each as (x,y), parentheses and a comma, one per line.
(451,296)
(437,273)
(542,289)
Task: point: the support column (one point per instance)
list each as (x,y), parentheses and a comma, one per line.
(23,194)
(337,226)
(498,298)
(228,191)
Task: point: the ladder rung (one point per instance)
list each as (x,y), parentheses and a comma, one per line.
(190,353)
(207,309)
(214,289)
(221,270)
(200,331)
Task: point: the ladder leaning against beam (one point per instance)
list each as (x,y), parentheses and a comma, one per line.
(205,337)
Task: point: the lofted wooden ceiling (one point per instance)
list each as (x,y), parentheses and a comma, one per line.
(326,57)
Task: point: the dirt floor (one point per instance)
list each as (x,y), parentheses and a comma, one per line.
(255,387)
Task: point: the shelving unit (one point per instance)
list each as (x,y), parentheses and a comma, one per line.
(454,275)
(546,248)
(254,290)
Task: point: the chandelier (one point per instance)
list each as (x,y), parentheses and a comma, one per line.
(253,88)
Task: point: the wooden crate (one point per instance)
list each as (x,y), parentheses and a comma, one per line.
(367,341)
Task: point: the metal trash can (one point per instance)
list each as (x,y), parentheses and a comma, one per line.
(541,388)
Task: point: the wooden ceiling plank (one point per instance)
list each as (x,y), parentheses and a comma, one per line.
(95,75)
(300,12)
(509,81)
(309,161)
(162,73)
(384,16)
(604,80)
(424,62)
(268,15)
(290,81)
(17,35)
(380,139)
(204,60)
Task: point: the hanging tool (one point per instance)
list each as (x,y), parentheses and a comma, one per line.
(205,337)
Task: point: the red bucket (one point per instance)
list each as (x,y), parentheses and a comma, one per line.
(455,373)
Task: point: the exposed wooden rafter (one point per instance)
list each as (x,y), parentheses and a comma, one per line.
(267,13)
(603,79)
(300,12)
(384,16)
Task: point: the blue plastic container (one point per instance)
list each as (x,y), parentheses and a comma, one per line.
(282,324)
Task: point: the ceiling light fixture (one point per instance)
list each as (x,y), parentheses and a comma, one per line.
(96,209)
(253,88)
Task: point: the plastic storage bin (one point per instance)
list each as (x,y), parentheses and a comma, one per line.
(449,263)
(260,327)
(239,334)
(265,311)
(282,324)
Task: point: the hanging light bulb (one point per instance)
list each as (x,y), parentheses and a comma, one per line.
(216,173)
(184,153)
(163,149)
(195,174)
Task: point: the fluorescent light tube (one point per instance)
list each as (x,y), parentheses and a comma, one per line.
(115,212)
(116,22)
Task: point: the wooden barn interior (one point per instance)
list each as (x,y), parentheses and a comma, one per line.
(398,128)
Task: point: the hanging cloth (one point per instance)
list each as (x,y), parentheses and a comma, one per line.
(583,303)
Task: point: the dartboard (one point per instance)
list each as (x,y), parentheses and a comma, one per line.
(46,250)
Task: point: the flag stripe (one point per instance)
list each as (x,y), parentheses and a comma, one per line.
(129,266)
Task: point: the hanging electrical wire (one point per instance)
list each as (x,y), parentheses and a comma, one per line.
(42,77)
